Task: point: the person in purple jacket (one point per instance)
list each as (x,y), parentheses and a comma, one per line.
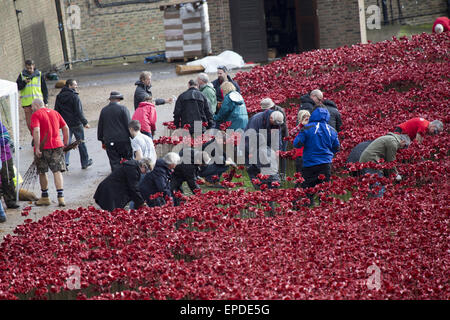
(7,170)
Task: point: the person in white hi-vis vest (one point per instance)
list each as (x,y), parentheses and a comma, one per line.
(31,84)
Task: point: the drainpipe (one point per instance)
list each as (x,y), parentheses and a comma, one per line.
(20,31)
(362,22)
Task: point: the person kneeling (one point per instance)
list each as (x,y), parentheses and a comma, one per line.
(158,180)
(121,186)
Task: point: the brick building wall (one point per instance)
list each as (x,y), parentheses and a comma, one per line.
(338,23)
(136,28)
(220,24)
(11,57)
(39,32)
(413,12)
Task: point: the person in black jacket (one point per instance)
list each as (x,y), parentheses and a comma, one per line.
(356,153)
(188,170)
(113,131)
(335,115)
(143,86)
(121,186)
(192,106)
(222,76)
(311,101)
(68,104)
(158,180)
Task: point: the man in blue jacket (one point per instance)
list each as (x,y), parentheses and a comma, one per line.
(320,142)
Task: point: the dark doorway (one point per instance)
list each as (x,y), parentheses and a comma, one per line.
(281,26)
(249,29)
(273,28)
(307,25)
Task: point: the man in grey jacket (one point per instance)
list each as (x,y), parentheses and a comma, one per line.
(208,91)
(143,86)
(386,148)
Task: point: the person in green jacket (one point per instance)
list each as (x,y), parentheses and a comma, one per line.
(384,147)
(208,90)
(233,108)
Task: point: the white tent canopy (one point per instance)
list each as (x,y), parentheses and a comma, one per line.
(9,89)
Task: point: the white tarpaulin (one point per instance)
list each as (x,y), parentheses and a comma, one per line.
(228,58)
(9,91)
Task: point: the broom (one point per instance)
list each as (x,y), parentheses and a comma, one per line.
(30,177)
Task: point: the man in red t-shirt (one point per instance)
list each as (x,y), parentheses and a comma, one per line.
(417,128)
(48,148)
(441,24)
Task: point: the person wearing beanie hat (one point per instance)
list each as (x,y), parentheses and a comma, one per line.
(113,131)
(267,103)
(222,76)
(441,24)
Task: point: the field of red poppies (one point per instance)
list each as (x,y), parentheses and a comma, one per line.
(225,245)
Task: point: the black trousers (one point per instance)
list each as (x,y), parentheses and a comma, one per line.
(176,185)
(8,188)
(117,151)
(311,176)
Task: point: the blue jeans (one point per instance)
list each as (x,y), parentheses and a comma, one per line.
(380,174)
(78,132)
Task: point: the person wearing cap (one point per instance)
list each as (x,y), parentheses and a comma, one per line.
(122,185)
(386,148)
(441,24)
(311,100)
(233,108)
(268,103)
(417,128)
(222,76)
(113,131)
(320,142)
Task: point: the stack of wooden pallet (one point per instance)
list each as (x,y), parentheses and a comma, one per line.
(186,31)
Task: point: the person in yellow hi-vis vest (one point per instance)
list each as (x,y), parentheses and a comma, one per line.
(31,83)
